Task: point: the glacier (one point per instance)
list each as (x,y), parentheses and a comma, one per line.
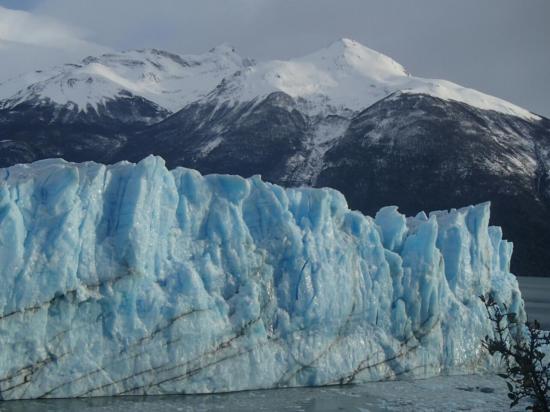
(133,279)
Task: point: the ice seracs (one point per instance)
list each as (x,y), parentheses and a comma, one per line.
(133,279)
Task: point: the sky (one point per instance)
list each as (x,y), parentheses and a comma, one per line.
(500,47)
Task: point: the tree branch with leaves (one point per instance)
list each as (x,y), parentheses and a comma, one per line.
(521,348)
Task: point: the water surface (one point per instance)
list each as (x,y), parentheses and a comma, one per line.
(536,293)
(471,393)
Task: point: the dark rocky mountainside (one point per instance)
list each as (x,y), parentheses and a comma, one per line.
(38,130)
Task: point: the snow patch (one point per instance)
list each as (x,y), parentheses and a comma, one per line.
(210,145)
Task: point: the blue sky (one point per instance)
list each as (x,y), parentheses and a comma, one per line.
(497,46)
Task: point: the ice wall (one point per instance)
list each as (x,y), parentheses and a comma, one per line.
(133,279)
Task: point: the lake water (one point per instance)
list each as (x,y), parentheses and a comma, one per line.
(536,293)
(467,393)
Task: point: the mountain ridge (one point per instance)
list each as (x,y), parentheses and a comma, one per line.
(344,75)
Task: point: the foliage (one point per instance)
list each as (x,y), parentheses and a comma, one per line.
(521,348)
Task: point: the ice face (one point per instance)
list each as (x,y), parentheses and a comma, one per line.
(133,279)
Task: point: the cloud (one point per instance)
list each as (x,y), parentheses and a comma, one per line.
(185,26)
(29,42)
(22,27)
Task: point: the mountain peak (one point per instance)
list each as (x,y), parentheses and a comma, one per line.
(346,43)
(223,48)
(348,53)
(347,75)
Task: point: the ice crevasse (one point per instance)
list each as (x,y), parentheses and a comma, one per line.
(134,279)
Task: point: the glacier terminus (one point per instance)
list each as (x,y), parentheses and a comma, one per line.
(135,279)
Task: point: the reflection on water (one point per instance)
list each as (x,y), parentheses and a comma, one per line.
(297,399)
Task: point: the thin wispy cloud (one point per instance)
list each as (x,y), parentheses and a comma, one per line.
(30,42)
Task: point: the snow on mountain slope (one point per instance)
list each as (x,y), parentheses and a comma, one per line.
(345,74)
(133,279)
(348,75)
(168,80)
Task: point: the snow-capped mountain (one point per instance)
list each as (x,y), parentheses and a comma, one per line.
(345,116)
(347,75)
(344,76)
(168,81)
